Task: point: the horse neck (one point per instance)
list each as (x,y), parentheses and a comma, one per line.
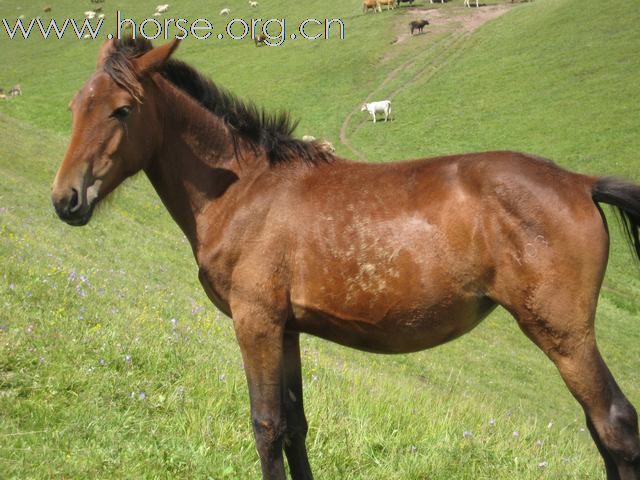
(197,162)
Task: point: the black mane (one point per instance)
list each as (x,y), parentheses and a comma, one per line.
(271,132)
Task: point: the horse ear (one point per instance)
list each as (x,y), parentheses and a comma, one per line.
(155,58)
(105,51)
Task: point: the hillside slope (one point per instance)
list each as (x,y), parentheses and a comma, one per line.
(113,364)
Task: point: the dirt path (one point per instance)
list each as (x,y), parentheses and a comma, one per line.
(459,22)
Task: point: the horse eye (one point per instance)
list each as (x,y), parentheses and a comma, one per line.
(121,113)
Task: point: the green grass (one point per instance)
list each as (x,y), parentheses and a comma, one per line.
(86,319)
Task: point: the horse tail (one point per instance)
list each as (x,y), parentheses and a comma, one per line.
(625,196)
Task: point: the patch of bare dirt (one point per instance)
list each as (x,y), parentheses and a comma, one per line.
(456,19)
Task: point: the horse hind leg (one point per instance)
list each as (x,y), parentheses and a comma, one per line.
(553,319)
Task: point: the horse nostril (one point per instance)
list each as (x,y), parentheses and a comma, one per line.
(74,202)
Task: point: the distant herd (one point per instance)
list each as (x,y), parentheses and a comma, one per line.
(376,5)
(373,108)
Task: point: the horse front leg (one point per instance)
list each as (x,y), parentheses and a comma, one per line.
(296,433)
(260,336)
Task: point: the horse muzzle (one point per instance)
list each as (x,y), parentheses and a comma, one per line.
(75,206)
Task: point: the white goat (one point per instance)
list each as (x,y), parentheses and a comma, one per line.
(374,107)
(253,4)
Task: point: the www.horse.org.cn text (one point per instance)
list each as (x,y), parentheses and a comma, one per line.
(272,32)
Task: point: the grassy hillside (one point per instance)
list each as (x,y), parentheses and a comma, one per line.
(113,364)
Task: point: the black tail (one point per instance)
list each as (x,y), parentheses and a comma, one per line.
(626,197)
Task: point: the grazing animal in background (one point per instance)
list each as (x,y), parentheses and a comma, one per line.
(260,39)
(46,9)
(467,3)
(273,223)
(225,11)
(323,144)
(441,1)
(90,14)
(391,4)
(15,91)
(327,146)
(253,4)
(410,2)
(162,8)
(418,25)
(383,106)
(371,4)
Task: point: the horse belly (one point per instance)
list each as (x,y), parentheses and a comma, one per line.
(396,330)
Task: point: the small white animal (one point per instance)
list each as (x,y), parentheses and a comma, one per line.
(308,138)
(225,11)
(162,8)
(253,4)
(90,14)
(467,3)
(374,107)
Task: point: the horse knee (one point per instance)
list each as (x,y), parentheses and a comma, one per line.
(269,433)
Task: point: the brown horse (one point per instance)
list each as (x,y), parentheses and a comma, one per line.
(388,258)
